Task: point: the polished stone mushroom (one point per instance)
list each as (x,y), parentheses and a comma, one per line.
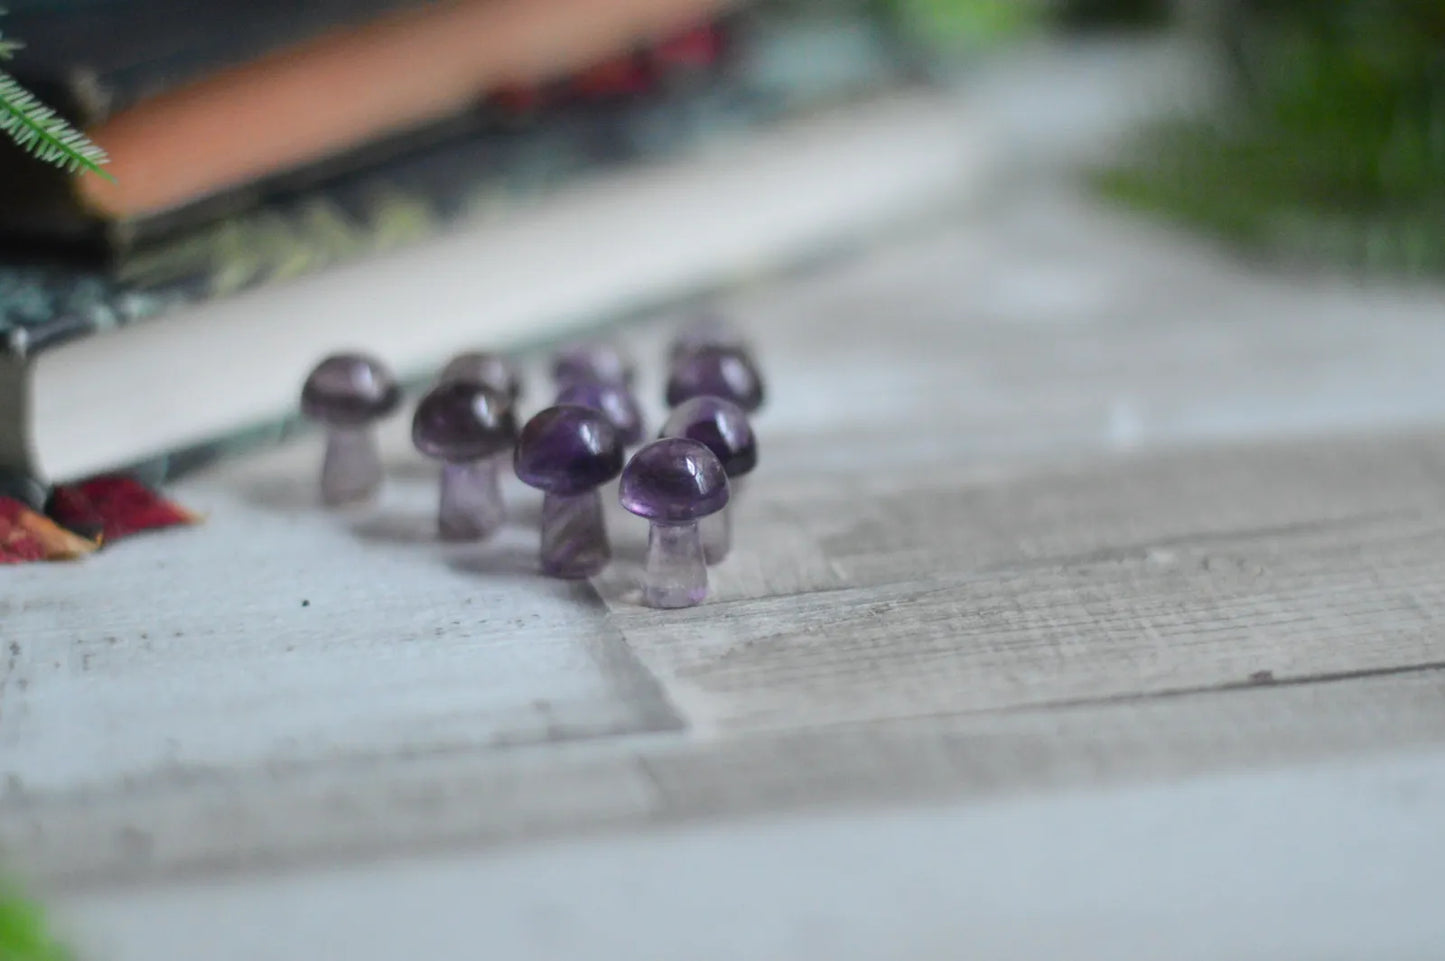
(466,426)
(488,369)
(593,360)
(614,400)
(706,330)
(722,427)
(726,372)
(568,452)
(674,482)
(348,394)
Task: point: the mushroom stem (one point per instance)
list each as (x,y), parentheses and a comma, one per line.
(676,575)
(351,470)
(471,500)
(716,531)
(574,535)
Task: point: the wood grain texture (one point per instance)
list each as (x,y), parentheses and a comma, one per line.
(284,820)
(1048,500)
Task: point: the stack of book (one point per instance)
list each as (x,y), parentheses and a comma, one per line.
(525,166)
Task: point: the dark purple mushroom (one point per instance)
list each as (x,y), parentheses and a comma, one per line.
(707,330)
(591,361)
(568,452)
(489,370)
(725,372)
(348,393)
(466,426)
(674,482)
(615,401)
(721,427)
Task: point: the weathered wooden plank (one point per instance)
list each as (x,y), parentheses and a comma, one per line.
(1152,574)
(277,633)
(298,817)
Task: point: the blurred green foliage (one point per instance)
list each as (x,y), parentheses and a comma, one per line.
(964,24)
(23,933)
(1332,146)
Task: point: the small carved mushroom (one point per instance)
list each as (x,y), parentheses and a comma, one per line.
(466,426)
(726,372)
(674,482)
(591,361)
(568,452)
(615,401)
(348,393)
(721,427)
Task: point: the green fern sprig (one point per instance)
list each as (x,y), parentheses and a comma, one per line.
(40,130)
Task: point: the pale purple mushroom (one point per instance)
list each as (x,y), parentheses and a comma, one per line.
(726,372)
(615,401)
(721,427)
(466,426)
(348,393)
(488,369)
(706,330)
(674,482)
(591,361)
(568,452)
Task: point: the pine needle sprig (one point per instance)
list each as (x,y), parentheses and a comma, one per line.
(40,130)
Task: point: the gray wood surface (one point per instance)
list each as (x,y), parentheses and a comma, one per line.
(950,578)
(1055,508)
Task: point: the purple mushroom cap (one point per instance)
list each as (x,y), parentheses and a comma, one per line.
(613,400)
(708,330)
(721,427)
(725,372)
(591,361)
(349,391)
(461,422)
(568,450)
(673,481)
(489,370)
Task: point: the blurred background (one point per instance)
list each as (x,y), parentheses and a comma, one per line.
(962,235)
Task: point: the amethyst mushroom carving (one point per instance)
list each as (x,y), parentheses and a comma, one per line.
(568,452)
(466,425)
(721,427)
(715,371)
(595,361)
(487,369)
(348,393)
(674,482)
(707,330)
(614,400)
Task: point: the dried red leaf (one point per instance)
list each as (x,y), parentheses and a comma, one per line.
(701,47)
(519,99)
(614,78)
(26,536)
(112,507)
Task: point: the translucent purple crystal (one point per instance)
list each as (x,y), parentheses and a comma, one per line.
(351,467)
(708,330)
(487,369)
(347,393)
(725,372)
(349,390)
(574,535)
(567,452)
(675,574)
(470,505)
(614,400)
(721,427)
(674,482)
(591,361)
(468,426)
